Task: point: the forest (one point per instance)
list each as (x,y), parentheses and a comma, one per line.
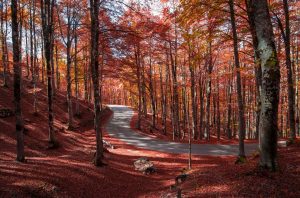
(149,98)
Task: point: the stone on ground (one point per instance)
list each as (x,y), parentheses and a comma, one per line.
(144,165)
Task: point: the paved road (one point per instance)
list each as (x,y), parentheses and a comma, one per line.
(119,127)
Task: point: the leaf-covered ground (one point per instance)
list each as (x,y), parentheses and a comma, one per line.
(68,171)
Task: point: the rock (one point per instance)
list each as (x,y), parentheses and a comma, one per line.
(283,143)
(144,165)
(5,113)
(108,144)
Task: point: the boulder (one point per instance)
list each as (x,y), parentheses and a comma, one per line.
(144,165)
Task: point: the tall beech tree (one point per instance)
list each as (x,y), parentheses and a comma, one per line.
(270,83)
(94,14)
(47,11)
(291,91)
(17,80)
(242,127)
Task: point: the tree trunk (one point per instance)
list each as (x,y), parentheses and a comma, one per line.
(35,70)
(270,83)
(201,98)
(175,102)
(151,87)
(290,81)
(57,68)
(258,72)
(229,106)
(238,83)
(94,13)
(208,92)
(47,7)
(69,62)
(17,81)
(139,84)
(3,40)
(193,96)
(85,77)
(218,112)
(77,111)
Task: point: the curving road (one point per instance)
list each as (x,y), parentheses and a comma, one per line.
(119,127)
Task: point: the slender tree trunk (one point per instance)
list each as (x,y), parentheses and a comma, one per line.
(143,83)
(258,72)
(43,60)
(218,111)
(162,98)
(208,92)
(201,98)
(3,43)
(57,68)
(47,7)
(21,14)
(85,77)
(32,55)
(139,84)
(229,107)
(69,63)
(290,81)
(94,13)
(27,55)
(77,111)
(175,103)
(35,71)
(167,70)
(189,131)
(17,81)
(193,95)
(151,87)
(242,128)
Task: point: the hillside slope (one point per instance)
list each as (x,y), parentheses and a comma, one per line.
(67,171)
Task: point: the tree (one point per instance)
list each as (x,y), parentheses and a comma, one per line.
(270,83)
(47,7)
(242,127)
(3,43)
(291,91)
(17,81)
(94,13)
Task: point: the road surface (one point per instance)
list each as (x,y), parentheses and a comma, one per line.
(119,127)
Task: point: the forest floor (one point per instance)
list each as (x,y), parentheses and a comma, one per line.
(68,171)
